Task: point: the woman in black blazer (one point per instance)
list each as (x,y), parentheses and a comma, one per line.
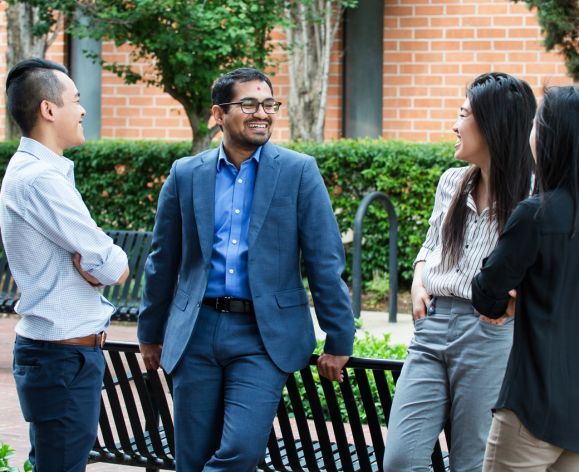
(536,421)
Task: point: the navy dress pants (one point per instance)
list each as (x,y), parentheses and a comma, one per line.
(226,390)
(59,388)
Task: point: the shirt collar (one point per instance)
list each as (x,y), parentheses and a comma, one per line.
(223,160)
(62,164)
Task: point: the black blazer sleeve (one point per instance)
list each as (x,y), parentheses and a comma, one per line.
(505,268)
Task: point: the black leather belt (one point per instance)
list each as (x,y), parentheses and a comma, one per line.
(229,305)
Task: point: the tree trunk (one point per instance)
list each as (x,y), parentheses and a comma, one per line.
(22,44)
(202,135)
(310,36)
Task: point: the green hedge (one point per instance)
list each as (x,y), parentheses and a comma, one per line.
(120,182)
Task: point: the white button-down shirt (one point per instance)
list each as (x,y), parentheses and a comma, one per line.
(480,238)
(44,222)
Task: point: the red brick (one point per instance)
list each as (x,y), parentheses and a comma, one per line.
(491,33)
(397,57)
(460,10)
(429,10)
(461,33)
(476,45)
(435,125)
(415,136)
(491,57)
(507,45)
(396,124)
(524,33)
(474,68)
(414,68)
(397,102)
(508,21)
(428,102)
(444,68)
(460,57)
(414,114)
(414,45)
(132,133)
(475,21)
(493,9)
(415,22)
(443,22)
(428,33)
(398,80)
(428,80)
(428,58)
(398,34)
(443,114)
(397,11)
(522,56)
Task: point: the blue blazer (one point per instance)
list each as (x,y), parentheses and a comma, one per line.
(291,216)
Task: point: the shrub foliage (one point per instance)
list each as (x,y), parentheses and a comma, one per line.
(120,182)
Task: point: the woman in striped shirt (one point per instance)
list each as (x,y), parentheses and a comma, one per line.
(457,358)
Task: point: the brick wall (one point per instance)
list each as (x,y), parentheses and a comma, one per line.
(432,50)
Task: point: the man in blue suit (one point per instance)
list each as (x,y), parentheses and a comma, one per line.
(224,310)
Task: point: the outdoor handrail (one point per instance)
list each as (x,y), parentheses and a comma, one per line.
(392,254)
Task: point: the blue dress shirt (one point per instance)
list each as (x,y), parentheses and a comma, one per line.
(233,199)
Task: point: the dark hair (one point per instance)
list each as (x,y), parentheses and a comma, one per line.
(222,90)
(503,108)
(29,83)
(557,144)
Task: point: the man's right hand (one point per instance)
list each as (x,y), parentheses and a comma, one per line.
(151,355)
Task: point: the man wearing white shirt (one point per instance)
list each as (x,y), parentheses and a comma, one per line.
(58,258)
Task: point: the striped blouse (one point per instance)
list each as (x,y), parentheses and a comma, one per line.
(481,237)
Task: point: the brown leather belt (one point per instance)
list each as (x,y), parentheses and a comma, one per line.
(94,340)
(229,305)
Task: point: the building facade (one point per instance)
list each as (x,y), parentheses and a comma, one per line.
(399,70)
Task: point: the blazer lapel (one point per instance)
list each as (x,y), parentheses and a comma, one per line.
(265,184)
(204,201)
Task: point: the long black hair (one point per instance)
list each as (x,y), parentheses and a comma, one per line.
(557,144)
(503,108)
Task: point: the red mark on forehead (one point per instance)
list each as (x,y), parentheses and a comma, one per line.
(258,87)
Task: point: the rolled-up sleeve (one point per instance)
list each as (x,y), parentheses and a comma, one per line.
(56,209)
(432,239)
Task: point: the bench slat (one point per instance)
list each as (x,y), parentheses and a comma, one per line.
(320,422)
(355,422)
(337,425)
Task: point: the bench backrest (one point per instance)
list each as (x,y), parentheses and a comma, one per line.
(319,425)
(125,297)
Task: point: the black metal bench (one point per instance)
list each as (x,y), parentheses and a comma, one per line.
(319,426)
(125,297)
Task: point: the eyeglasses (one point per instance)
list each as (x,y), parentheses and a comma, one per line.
(250,106)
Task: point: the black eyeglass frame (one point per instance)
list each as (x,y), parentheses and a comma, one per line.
(258,103)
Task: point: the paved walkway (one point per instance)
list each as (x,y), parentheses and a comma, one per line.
(14,431)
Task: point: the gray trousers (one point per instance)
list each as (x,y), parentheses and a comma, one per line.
(454,370)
